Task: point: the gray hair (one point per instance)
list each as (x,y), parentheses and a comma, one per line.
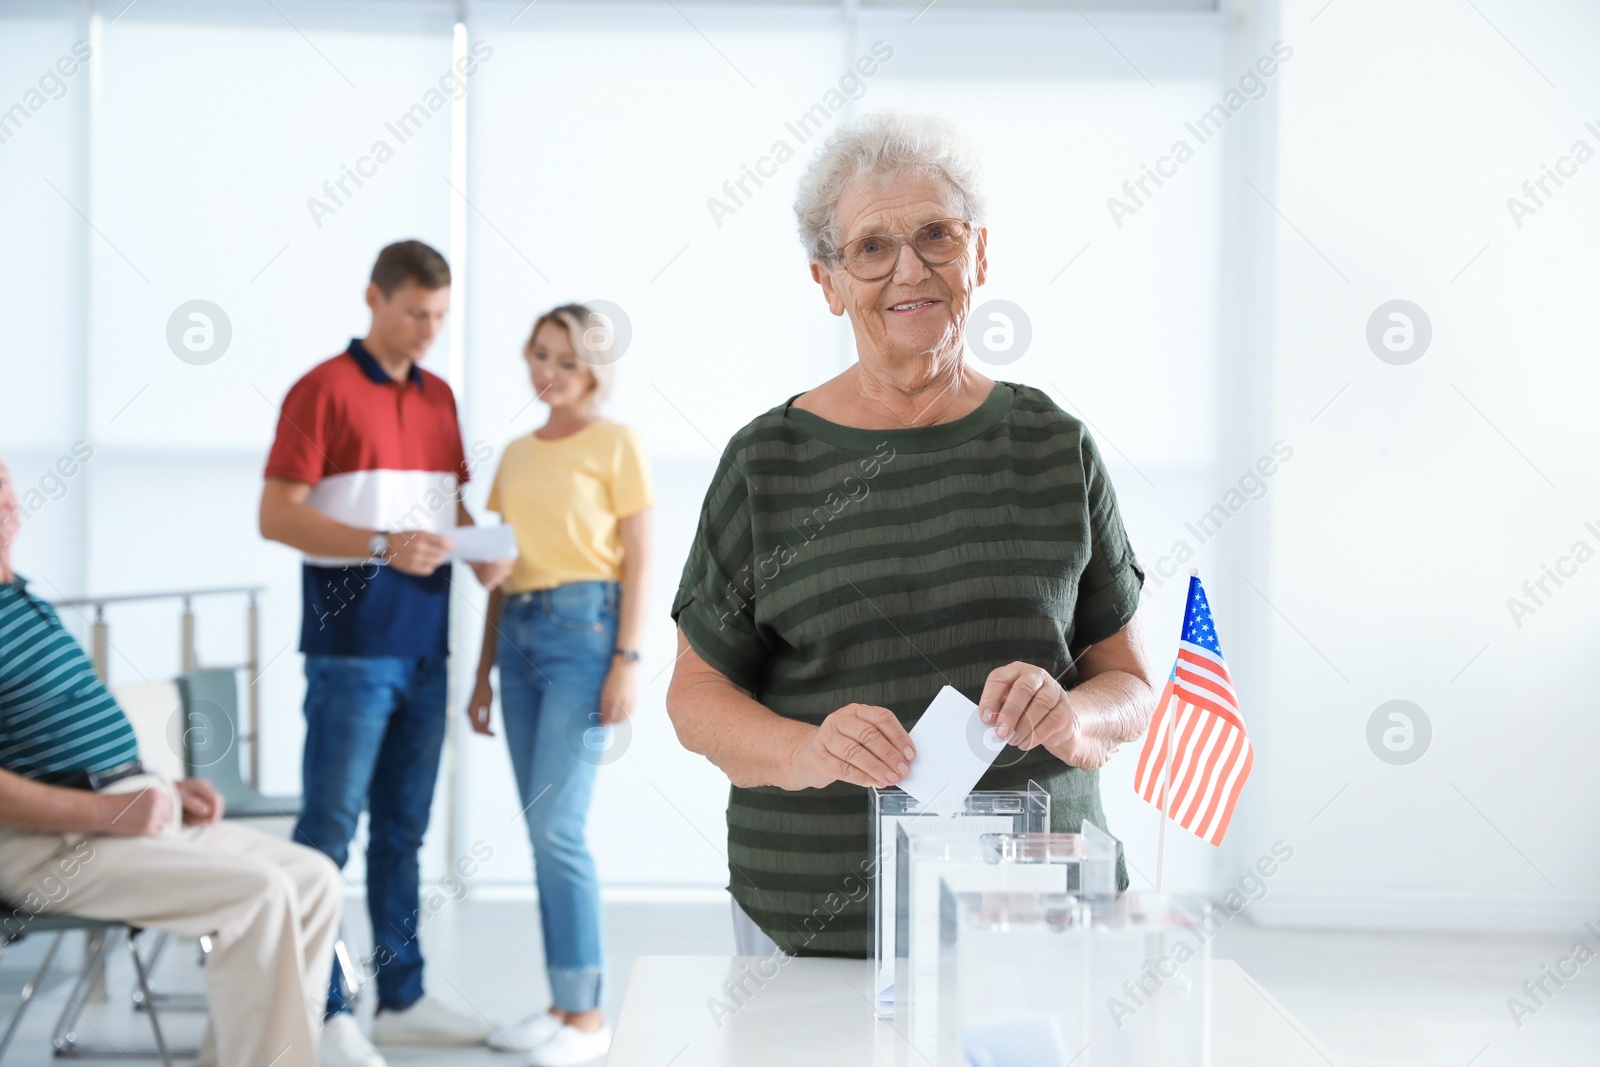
(883,144)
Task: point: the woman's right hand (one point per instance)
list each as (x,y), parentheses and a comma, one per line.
(478,707)
(860,743)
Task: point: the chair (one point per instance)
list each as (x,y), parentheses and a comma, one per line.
(210,702)
(152,711)
(101,933)
(207,733)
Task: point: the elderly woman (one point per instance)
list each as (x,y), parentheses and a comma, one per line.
(905,525)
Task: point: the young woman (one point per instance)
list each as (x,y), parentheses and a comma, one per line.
(565,630)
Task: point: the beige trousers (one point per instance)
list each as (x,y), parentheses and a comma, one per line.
(271,907)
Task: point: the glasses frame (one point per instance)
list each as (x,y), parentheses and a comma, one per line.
(900,240)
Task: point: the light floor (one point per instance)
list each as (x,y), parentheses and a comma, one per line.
(1377,1000)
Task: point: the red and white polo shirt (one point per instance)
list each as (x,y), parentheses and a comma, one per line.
(379,454)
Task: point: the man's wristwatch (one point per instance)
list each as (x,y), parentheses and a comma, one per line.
(628,655)
(378,546)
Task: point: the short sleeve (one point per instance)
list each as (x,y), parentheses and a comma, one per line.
(457,461)
(631,491)
(494,503)
(1108,589)
(714,604)
(304,438)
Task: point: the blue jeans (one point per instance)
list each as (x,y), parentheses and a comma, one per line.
(554,651)
(374,730)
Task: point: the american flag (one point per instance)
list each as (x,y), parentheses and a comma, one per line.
(1198,732)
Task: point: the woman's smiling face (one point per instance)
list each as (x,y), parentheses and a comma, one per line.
(917,310)
(559,377)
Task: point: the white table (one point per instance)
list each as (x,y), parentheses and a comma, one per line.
(817,1011)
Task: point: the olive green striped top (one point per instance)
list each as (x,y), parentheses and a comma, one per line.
(836,565)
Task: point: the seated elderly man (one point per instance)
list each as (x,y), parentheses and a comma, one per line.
(84,831)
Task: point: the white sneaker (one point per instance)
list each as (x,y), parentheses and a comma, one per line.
(428,1022)
(571,1047)
(526,1035)
(344,1045)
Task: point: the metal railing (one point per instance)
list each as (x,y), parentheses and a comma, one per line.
(100,644)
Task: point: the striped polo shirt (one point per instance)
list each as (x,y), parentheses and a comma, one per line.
(56,717)
(836,565)
(379,454)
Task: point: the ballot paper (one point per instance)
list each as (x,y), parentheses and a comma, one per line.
(479,544)
(953,748)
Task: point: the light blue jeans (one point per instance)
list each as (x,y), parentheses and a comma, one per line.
(554,652)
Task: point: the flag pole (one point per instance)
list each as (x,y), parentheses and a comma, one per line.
(1166,779)
(1166,786)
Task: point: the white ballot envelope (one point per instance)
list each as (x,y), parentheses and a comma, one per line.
(954,747)
(481,544)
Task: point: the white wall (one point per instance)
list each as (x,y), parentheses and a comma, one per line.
(1421,497)
(42,292)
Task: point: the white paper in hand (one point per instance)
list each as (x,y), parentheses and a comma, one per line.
(482,544)
(954,748)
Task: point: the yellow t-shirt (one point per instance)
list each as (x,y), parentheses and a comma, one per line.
(564,499)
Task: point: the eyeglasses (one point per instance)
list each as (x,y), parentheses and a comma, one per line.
(873,257)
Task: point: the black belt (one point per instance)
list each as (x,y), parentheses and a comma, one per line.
(98,780)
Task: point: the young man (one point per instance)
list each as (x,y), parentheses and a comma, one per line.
(85,831)
(364,478)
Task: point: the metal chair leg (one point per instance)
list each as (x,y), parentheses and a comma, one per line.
(28,991)
(150,1008)
(347,969)
(158,949)
(65,1038)
(162,939)
(61,1039)
(95,991)
(169,1001)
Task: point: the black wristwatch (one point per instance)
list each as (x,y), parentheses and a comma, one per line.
(629,655)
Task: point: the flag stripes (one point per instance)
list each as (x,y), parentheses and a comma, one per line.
(1197,754)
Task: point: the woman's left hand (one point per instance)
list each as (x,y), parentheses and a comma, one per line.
(492,572)
(1027,708)
(617,695)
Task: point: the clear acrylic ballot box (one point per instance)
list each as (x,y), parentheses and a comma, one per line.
(1047,980)
(1010,812)
(935,858)
(1089,857)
